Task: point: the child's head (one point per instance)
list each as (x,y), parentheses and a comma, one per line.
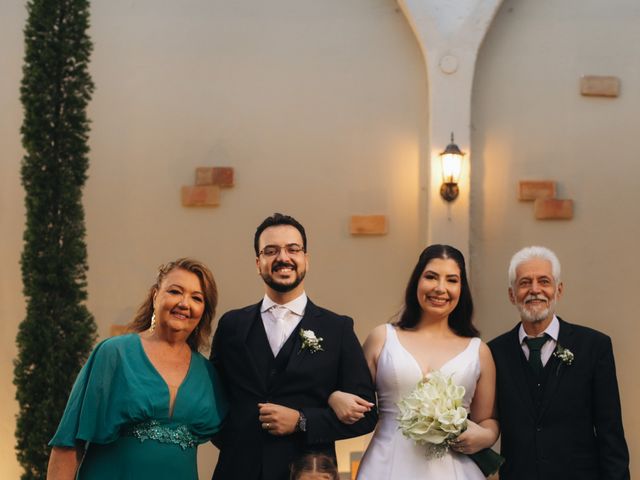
(314,466)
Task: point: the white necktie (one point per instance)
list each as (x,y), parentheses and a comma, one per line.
(277,333)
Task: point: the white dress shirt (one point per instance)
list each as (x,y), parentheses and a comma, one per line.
(281,320)
(548,348)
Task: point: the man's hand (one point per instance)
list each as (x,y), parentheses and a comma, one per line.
(277,419)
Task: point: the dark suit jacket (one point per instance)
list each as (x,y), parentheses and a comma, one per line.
(248,452)
(576,432)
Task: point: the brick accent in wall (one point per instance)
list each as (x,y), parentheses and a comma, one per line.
(599,86)
(200,196)
(553,209)
(368,225)
(533,189)
(221,176)
(206,191)
(546,206)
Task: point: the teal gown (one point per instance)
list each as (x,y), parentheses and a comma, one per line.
(119,409)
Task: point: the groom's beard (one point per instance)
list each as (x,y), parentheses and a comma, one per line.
(283,287)
(537,314)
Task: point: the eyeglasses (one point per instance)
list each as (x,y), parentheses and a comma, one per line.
(273,250)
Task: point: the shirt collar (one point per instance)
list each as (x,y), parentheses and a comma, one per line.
(552,330)
(297,305)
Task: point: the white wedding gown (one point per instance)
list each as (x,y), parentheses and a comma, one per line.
(392,456)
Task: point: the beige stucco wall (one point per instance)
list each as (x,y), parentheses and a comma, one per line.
(530,122)
(12,18)
(319,106)
(321,109)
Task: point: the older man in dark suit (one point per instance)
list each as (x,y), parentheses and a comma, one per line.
(558,400)
(280,360)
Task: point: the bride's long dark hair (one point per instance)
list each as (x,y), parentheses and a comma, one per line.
(460,319)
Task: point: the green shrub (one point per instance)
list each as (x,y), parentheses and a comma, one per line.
(58,331)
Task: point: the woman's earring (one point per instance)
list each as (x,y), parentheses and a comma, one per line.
(152,327)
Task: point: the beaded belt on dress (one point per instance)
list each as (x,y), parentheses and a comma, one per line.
(153,430)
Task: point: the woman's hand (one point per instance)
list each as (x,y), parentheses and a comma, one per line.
(348,408)
(483,431)
(473,439)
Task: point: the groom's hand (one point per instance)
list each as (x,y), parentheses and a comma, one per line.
(277,419)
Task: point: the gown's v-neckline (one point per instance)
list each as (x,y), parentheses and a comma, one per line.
(417,364)
(171,408)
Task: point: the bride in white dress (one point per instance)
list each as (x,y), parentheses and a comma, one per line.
(434,332)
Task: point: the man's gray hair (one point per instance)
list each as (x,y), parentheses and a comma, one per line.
(529,253)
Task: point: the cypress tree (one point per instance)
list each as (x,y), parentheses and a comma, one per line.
(58,331)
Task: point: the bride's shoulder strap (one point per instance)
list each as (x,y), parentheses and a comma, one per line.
(474,345)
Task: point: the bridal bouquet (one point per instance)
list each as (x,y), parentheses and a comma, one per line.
(432,415)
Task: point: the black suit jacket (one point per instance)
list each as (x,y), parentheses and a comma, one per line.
(576,432)
(246,451)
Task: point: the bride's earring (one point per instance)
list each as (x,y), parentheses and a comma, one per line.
(152,326)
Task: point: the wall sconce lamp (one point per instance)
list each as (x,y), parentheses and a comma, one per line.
(451,169)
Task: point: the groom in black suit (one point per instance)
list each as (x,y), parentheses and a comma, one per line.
(280,359)
(558,400)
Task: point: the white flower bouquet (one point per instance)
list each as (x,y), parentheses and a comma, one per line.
(432,415)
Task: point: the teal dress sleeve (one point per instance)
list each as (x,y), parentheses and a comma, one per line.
(94,409)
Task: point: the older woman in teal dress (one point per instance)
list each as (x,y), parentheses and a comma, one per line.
(144,401)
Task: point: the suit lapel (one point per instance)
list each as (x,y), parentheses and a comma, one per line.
(252,314)
(557,368)
(516,371)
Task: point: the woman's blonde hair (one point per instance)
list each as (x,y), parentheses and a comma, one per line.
(199,338)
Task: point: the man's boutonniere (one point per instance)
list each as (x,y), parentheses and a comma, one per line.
(564,354)
(310,341)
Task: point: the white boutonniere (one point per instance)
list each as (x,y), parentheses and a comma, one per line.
(564,354)
(310,341)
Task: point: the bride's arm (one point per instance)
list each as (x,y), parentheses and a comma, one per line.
(483,428)
(372,348)
(350,408)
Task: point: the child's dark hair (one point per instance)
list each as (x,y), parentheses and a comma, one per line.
(314,463)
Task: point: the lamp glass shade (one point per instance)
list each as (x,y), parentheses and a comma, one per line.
(451,167)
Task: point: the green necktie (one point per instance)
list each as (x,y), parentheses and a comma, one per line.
(535,345)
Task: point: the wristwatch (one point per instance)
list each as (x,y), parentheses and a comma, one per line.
(301,426)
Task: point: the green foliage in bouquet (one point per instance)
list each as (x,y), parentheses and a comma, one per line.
(58,331)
